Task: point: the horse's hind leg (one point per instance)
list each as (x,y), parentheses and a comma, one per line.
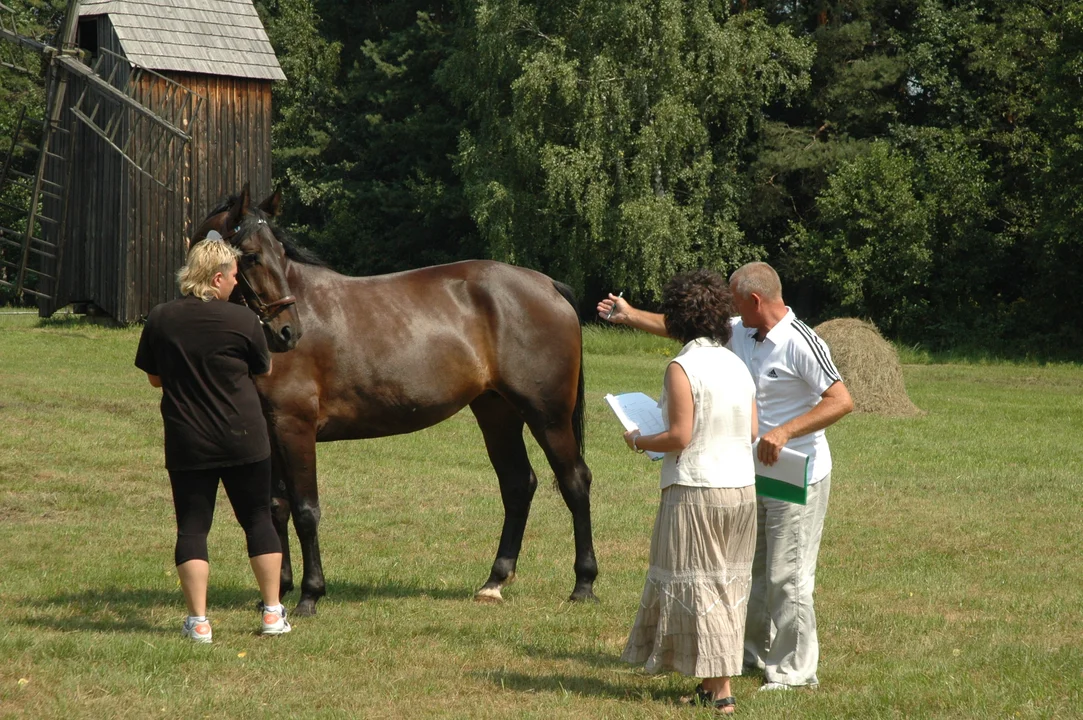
(503,430)
(573,478)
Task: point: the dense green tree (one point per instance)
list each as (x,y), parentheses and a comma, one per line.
(913,161)
(304,104)
(1056,287)
(372,135)
(605,136)
(873,250)
(936,124)
(858,78)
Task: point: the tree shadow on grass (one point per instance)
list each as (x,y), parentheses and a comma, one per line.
(586,685)
(587,657)
(387,590)
(117,609)
(126,609)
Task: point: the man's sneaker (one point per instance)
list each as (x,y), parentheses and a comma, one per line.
(197,630)
(274,621)
(770,686)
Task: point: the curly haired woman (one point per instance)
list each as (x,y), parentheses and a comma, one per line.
(691,617)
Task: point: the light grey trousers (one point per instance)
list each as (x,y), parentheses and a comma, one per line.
(780,630)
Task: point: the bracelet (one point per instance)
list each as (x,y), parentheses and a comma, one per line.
(635,446)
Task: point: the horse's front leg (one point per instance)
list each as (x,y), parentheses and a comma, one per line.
(280,514)
(297,440)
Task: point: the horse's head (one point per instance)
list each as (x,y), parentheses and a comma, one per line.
(261,269)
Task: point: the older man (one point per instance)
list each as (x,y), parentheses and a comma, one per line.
(799,392)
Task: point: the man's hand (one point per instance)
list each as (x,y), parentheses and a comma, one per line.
(614,309)
(771,445)
(835,403)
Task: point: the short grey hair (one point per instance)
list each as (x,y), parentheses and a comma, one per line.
(205,260)
(759,278)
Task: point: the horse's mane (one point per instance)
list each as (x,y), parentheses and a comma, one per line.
(294,251)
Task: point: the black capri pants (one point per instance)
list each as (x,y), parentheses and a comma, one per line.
(248,488)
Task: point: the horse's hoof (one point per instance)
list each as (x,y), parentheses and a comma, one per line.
(305,608)
(489,595)
(586,595)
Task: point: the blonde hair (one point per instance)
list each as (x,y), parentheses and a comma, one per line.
(759,278)
(206,259)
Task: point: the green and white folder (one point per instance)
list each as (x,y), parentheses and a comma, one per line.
(787,479)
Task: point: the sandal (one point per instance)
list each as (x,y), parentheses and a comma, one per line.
(703,698)
(727,702)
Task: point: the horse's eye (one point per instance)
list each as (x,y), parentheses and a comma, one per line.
(251,258)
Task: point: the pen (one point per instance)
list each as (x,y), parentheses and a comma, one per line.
(619,296)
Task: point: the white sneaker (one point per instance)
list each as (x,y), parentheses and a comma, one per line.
(199,632)
(274,621)
(774,686)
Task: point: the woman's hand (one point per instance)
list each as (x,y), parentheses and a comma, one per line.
(630,439)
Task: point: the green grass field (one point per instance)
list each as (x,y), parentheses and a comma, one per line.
(950,583)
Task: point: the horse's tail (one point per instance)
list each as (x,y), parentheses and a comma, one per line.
(578,413)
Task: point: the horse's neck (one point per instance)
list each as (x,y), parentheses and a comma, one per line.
(315,283)
(306,273)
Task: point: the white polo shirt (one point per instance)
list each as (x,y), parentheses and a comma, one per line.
(792,368)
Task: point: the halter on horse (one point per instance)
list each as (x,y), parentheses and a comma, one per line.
(260,269)
(266,311)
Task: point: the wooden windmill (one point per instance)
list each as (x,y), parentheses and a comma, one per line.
(101,97)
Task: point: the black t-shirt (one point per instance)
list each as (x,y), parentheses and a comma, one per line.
(206,354)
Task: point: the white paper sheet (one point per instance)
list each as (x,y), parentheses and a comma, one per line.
(638,411)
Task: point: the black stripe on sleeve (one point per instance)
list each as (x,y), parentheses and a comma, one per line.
(816,344)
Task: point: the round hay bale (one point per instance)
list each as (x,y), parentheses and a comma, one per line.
(869,366)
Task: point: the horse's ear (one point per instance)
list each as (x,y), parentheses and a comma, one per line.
(273,204)
(239,209)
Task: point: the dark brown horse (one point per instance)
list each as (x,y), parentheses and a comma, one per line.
(392,354)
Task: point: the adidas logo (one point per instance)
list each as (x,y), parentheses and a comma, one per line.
(771,373)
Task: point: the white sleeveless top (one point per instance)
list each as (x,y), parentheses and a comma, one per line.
(719,454)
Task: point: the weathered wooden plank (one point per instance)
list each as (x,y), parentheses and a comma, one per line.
(126,233)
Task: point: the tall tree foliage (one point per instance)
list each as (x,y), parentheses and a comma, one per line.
(605,137)
(1058,285)
(856,79)
(305,103)
(913,161)
(935,123)
(22,94)
(371,135)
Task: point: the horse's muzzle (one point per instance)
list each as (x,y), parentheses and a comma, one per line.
(283,339)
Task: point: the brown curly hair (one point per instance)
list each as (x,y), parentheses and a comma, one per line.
(698,304)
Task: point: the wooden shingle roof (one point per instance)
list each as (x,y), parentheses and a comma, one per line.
(213,37)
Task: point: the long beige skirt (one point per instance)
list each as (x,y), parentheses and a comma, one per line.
(691,617)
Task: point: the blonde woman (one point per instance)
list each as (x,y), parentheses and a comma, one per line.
(203,353)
